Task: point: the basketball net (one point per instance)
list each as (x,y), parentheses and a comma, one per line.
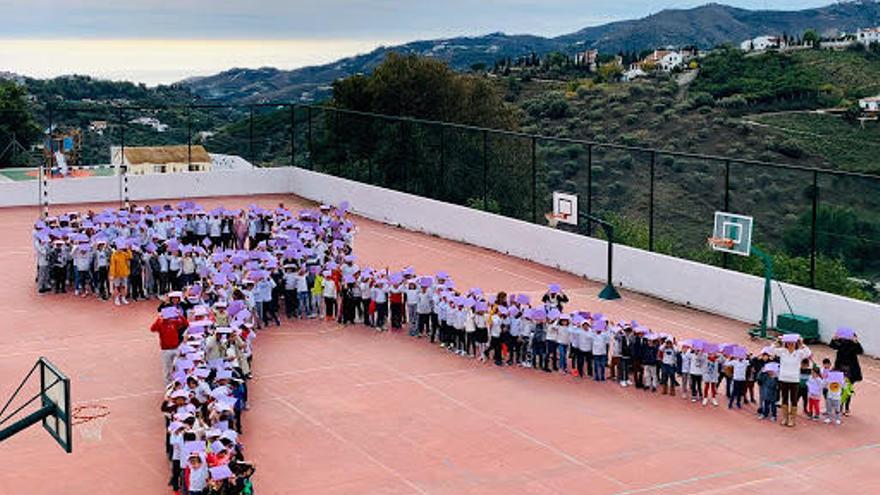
(553,219)
(720,242)
(89,421)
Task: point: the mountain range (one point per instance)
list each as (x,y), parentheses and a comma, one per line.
(705,26)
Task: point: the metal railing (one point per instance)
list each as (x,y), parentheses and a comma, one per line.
(661,200)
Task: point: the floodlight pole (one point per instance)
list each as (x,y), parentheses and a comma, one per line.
(608,292)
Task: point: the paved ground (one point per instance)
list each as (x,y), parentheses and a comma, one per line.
(350,412)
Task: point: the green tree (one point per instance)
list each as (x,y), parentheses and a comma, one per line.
(610,72)
(812,38)
(16,120)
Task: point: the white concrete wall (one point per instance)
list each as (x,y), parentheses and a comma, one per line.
(713,289)
(709,288)
(155,186)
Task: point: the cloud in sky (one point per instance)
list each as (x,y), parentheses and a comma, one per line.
(352,19)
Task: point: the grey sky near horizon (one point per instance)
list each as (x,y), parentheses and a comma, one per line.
(350,19)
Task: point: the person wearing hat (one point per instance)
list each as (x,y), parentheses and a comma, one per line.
(136,274)
(82,266)
(791,351)
(650,353)
(379,296)
(120,269)
(668,360)
(101,269)
(769,382)
(424,306)
(329,293)
(411,293)
(348,309)
(170,326)
(58,257)
(396,301)
(848,348)
(554,297)
(196,473)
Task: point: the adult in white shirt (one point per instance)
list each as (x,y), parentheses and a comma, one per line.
(790,354)
(600,350)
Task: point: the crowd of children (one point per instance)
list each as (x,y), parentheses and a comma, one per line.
(219,292)
(228,273)
(508,329)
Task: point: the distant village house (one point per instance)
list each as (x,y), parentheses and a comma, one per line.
(588,58)
(150,122)
(98,126)
(870,105)
(143,160)
(763,43)
(665,60)
(868,36)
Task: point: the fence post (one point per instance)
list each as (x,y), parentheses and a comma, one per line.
(251,139)
(651,205)
(189,137)
(590,188)
(534,180)
(813,236)
(292,135)
(725,257)
(309,135)
(336,155)
(485,167)
(401,135)
(441,189)
(123,170)
(44,182)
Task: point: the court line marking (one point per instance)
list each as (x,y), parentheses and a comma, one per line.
(424,375)
(734,487)
(769,464)
(462,249)
(568,457)
(333,433)
(77,348)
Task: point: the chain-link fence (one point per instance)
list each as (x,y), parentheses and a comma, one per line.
(822,226)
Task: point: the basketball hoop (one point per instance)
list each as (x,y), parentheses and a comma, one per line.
(720,242)
(89,421)
(553,219)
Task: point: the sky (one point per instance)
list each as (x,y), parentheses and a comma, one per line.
(291,19)
(160,41)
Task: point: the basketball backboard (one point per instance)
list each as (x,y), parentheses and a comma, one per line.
(55,391)
(54,401)
(732,233)
(565,207)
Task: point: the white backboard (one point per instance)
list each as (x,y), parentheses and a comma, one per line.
(564,203)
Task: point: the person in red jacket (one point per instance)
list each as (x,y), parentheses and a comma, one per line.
(170,326)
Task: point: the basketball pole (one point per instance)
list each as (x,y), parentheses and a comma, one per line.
(609,292)
(768,292)
(27,421)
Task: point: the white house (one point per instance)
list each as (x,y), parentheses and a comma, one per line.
(150,122)
(665,60)
(633,73)
(762,43)
(868,35)
(870,105)
(98,126)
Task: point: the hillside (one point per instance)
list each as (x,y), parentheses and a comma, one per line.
(715,24)
(706,27)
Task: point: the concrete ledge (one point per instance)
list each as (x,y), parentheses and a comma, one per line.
(144,187)
(716,290)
